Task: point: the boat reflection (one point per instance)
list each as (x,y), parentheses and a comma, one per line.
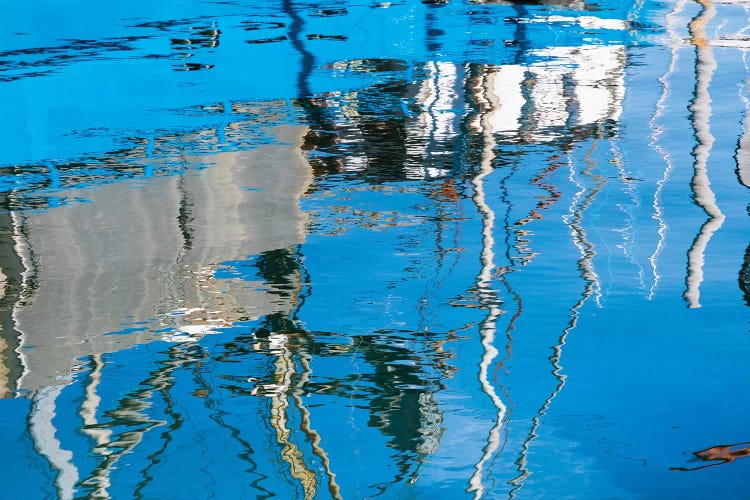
(106,278)
(180,228)
(336,311)
(210,222)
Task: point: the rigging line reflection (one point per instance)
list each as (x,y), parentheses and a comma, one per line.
(299,296)
(487,297)
(656,132)
(279,392)
(629,231)
(282,268)
(522,461)
(496,83)
(522,244)
(446,198)
(130,411)
(441,253)
(216,405)
(574,220)
(312,435)
(700,113)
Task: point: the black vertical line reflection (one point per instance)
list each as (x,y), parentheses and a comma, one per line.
(215,405)
(744,276)
(521,36)
(308,60)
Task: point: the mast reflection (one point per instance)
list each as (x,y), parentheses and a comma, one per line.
(701,112)
(487,297)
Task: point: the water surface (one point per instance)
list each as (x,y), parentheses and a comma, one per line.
(399,249)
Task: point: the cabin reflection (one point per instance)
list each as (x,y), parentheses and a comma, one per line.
(413,130)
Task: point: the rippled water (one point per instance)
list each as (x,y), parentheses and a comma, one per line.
(354,249)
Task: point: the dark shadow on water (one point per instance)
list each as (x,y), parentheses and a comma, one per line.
(721,454)
(308,60)
(744,276)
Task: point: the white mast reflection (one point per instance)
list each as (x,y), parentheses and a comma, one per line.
(487,296)
(284,371)
(43,430)
(702,192)
(742,155)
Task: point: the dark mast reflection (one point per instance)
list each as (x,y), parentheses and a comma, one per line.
(383,143)
(742,160)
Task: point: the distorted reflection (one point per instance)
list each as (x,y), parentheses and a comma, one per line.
(413,260)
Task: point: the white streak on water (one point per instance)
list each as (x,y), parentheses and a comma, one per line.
(701,185)
(486,296)
(43,433)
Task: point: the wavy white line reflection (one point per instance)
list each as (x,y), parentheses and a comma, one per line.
(700,184)
(43,430)
(486,296)
(656,133)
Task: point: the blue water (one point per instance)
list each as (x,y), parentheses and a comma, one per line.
(374,249)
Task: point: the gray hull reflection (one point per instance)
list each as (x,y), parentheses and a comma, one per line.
(152,267)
